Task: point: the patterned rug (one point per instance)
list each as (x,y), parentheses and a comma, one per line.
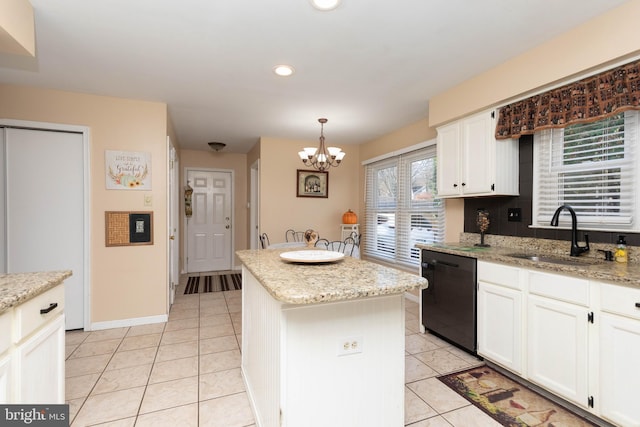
(213,283)
(508,402)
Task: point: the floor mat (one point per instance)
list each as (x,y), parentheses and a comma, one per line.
(213,283)
(508,402)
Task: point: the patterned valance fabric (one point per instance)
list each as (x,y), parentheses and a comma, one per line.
(587,100)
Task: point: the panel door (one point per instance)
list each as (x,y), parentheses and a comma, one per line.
(619,373)
(557,347)
(209,228)
(476,152)
(45,209)
(39,366)
(500,325)
(448,152)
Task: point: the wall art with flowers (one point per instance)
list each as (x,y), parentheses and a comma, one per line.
(128,170)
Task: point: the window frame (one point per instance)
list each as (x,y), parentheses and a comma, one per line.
(413,220)
(548,140)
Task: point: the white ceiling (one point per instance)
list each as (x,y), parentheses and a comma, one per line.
(369,66)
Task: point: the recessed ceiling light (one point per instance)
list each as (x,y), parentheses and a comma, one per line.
(283,70)
(325,5)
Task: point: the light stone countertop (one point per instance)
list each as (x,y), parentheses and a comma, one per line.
(17,288)
(590,266)
(348,279)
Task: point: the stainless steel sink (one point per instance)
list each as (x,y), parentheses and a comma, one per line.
(554,260)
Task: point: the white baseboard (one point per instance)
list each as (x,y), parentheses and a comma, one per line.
(123,323)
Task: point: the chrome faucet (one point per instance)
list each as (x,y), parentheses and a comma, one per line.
(575,249)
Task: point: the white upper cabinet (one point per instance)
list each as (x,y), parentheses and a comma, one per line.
(471,162)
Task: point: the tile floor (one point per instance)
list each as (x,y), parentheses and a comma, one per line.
(187,372)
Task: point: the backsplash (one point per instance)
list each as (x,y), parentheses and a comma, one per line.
(497,207)
(533,245)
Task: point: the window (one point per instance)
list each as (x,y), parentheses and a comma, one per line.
(592,167)
(402,207)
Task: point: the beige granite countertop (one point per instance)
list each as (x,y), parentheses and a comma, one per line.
(347,279)
(16,288)
(589,266)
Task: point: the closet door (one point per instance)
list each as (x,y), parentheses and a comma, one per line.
(44,173)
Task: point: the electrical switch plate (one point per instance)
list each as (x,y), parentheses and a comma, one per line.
(514,214)
(148,200)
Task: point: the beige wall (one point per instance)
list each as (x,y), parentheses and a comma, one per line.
(208,159)
(610,37)
(280,209)
(126,282)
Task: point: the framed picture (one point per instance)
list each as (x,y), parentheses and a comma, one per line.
(312,184)
(128,170)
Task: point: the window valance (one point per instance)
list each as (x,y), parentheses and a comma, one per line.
(587,100)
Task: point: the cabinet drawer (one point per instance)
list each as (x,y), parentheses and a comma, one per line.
(557,286)
(5,327)
(620,300)
(27,317)
(499,274)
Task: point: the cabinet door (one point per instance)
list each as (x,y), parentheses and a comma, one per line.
(557,347)
(500,325)
(619,374)
(448,151)
(477,153)
(39,366)
(5,378)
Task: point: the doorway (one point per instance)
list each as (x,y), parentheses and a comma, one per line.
(45,206)
(209,230)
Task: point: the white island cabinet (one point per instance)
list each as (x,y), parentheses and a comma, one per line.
(323,344)
(32,334)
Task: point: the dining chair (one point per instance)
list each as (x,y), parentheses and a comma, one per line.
(264,241)
(294,236)
(345,246)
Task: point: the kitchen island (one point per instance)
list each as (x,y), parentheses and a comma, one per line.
(323,344)
(32,337)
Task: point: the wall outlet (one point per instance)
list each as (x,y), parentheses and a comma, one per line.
(349,345)
(514,214)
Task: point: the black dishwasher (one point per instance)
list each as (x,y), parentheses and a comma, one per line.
(449,302)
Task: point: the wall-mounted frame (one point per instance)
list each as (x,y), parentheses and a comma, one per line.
(123,228)
(312,184)
(128,170)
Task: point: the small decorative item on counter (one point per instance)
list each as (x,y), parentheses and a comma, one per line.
(349,217)
(482,221)
(310,237)
(621,250)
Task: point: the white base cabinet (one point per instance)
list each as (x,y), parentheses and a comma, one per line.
(620,355)
(557,348)
(582,338)
(500,319)
(39,365)
(32,369)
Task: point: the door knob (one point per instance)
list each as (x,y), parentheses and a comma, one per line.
(172,237)
(227,227)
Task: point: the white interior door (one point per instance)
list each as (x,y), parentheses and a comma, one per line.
(44,172)
(209,228)
(172,221)
(254,205)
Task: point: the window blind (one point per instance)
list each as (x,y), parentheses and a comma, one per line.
(591,167)
(402,207)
